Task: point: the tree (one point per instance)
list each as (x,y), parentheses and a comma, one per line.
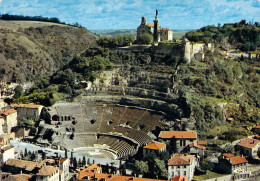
(25,152)
(88,162)
(84,161)
(141,167)
(43,155)
(18,91)
(206,164)
(66,153)
(26,123)
(75,163)
(160,169)
(146,38)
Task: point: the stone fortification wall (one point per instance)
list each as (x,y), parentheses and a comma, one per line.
(196,50)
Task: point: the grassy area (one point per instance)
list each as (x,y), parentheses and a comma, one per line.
(208,175)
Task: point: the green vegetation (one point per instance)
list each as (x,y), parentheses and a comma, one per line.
(146,38)
(116,41)
(26,123)
(244,35)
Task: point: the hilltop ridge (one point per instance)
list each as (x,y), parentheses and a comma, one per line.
(29,49)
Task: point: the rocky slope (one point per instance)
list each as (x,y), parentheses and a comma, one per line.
(31,49)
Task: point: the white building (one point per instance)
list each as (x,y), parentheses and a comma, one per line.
(249,147)
(64,167)
(153,148)
(181,164)
(179,139)
(6,153)
(10,119)
(48,173)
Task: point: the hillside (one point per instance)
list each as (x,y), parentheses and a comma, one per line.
(29,49)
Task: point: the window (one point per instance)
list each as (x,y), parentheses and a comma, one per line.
(184,166)
(184,173)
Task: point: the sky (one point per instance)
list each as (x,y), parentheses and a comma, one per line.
(126,14)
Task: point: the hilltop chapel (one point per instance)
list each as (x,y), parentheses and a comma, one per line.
(158,33)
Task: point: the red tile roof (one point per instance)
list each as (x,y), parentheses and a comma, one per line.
(180,159)
(150,24)
(31,105)
(178,134)
(204,143)
(94,167)
(198,146)
(165,29)
(228,155)
(23,164)
(155,146)
(179,178)
(63,160)
(248,143)
(18,177)
(257,127)
(237,160)
(7,112)
(47,170)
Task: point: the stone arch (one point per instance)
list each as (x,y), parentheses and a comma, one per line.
(55,118)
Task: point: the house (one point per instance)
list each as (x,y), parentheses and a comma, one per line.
(64,167)
(91,176)
(153,148)
(249,147)
(231,164)
(179,139)
(181,164)
(8,118)
(17,166)
(166,34)
(256,129)
(17,177)
(197,149)
(28,111)
(48,173)
(6,138)
(6,152)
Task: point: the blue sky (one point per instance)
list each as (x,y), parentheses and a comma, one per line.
(126,14)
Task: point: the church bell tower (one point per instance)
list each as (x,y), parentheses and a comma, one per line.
(156,31)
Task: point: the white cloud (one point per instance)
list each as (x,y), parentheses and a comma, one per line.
(98,14)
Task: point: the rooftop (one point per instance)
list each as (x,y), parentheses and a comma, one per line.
(228,155)
(47,170)
(18,177)
(197,145)
(63,160)
(178,134)
(237,160)
(7,112)
(202,142)
(24,164)
(6,148)
(179,178)
(257,127)
(31,105)
(181,159)
(150,24)
(155,146)
(248,143)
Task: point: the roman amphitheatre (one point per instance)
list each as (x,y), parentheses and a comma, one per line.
(117,121)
